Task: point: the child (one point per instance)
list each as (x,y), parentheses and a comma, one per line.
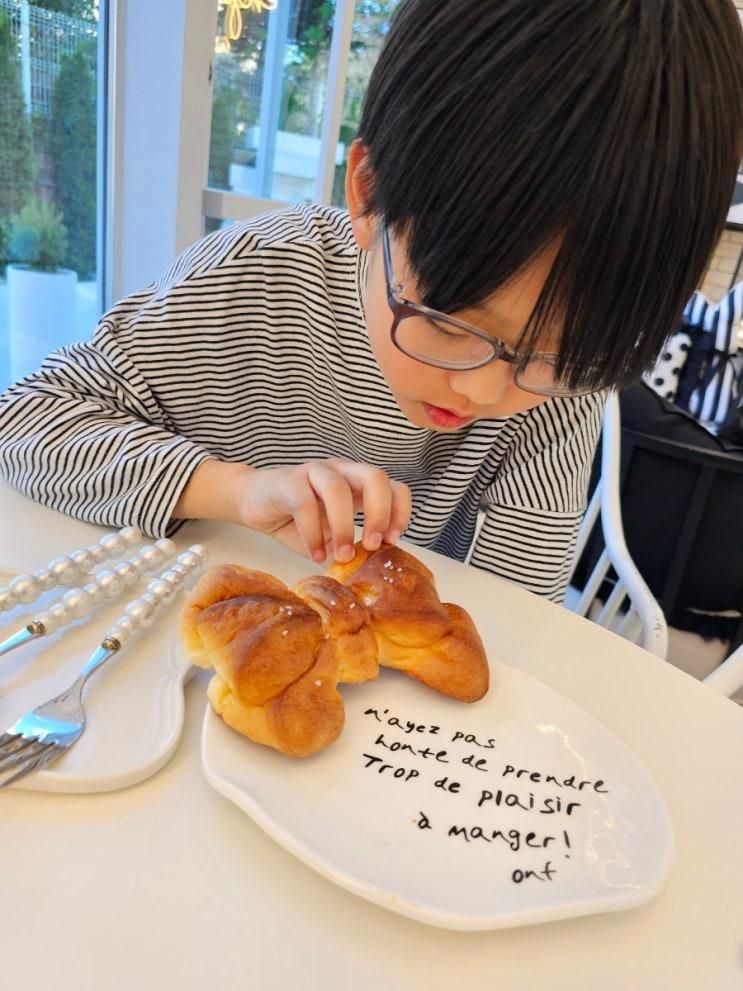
(535,190)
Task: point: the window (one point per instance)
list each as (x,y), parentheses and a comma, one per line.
(370,26)
(269,95)
(288,87)
(50,79)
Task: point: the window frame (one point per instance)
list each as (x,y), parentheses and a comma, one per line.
(159,105)
(223,205)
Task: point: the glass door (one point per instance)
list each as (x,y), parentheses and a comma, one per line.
(52,83)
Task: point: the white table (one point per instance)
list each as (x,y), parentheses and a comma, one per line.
(168,885)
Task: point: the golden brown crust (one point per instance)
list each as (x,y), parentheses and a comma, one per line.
(347,622)
(435,642)
(302,720)
(223,581)
(275,670)
(278,655)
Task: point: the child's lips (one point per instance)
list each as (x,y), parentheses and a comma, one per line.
(442,417)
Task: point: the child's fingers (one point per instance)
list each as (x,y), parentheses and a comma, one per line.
(377,508)
(307,513)
(374,487)
(334,492)
(402,506)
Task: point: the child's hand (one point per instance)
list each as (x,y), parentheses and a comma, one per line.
(310,508)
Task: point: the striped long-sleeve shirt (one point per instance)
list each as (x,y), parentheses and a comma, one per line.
(252,348)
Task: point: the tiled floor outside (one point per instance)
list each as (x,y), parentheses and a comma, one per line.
(19,356)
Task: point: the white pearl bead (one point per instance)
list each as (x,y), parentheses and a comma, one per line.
(78,602)
(95,592)
(174,580)
(111,583)
(131,535)
(117,633)
(138,563)
(114,544)
(189,560)
(152,556)
(47,620)
(64,570)
(6,601)
(24,589)
(200,551)
(98,553)
(129,623)
(60,613)
(83,559)
(124,630)
(167,547)
(162,590)
(127,571)
(140,611)
(45,579)
(152,599)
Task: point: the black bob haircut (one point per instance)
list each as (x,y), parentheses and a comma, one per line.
(495,128)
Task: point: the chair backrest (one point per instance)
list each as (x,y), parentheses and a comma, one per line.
(630,608)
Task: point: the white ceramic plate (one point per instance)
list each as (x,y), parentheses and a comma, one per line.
(359,815)
(134,704)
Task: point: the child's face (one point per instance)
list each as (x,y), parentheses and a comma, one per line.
(439,398)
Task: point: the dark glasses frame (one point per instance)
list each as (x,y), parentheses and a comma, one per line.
(500,351)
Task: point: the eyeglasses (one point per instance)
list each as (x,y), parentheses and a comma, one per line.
(445,342)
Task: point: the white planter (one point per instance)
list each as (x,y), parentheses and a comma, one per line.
(42,315)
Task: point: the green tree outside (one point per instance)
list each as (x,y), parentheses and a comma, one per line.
(223,139)
(84,10)
(17,166)
(72,143)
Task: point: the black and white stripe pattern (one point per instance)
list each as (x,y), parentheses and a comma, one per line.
(252,348)
(710,401)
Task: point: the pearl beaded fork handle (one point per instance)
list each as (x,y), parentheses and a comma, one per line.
(49,730)
(78,602)
(67,570)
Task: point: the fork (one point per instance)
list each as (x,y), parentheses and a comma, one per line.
(49,730)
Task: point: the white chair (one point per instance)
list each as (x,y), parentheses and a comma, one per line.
(631,609)
(728,677)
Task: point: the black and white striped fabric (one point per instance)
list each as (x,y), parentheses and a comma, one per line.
(710,401)
(710,381)
(252,348)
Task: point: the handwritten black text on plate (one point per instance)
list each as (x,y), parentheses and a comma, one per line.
(449,756)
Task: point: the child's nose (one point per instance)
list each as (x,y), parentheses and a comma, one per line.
(483,386)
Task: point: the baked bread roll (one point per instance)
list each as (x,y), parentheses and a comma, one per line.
(435,642)
(276,664)
(279,655)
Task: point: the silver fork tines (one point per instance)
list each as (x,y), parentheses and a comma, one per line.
(45,733)
(49,730)
(44,754)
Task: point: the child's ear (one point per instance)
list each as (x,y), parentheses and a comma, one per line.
(358,193)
